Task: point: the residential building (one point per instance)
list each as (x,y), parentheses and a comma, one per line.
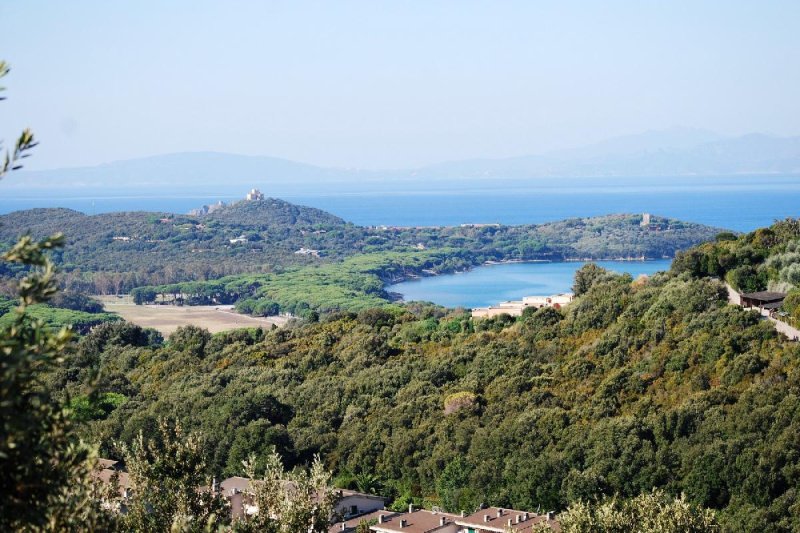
(489,520)
(415,521)
(307,251)
(556,300)
(497,519)
(349,503)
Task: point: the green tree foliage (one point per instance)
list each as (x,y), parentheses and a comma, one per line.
(190,339)
(747,278)
(171,490)
(750,262)
(652,512)
(114,253)
(635,385)
(12,159)
(586,276)
(45,475)
(288,502)
(454,487)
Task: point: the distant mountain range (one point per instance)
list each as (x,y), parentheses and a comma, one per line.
(673,152)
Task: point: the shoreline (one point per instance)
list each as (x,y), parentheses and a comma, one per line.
(395,297)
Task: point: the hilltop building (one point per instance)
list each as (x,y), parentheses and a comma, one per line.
(254,195)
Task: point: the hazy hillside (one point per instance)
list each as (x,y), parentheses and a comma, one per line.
(675,152)
(639,156)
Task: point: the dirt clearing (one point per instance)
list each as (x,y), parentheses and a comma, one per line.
(168,318)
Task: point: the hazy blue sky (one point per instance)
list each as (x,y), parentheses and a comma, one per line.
(389,84)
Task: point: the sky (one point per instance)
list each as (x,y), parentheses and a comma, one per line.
(380,84)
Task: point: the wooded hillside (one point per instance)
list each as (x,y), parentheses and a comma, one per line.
(117,252)
(637,384)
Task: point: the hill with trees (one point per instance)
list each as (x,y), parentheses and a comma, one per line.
(637,384)
(117,252)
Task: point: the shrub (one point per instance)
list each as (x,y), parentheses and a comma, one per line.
(459,400)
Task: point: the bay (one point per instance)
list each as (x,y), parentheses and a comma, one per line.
(490,284)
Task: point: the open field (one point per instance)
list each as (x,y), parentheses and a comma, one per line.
(168,318)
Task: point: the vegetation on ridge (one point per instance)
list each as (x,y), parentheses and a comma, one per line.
(637,384)
(114,253)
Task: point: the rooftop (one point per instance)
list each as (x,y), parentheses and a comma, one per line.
(499,519)
(764,296)
(419,521)
(349,526)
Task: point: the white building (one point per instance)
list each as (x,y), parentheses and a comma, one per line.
(516,307)
(254,194)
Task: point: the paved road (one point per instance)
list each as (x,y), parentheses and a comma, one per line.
(783,327)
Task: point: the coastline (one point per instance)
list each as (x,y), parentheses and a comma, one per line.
(394,295)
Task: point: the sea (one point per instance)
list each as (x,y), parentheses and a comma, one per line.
(738,203)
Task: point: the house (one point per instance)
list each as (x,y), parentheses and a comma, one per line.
(106,475)
(556,300)
(763,299)
(307,251)
(111,473)
(110,464)
(239,239)
(349,504)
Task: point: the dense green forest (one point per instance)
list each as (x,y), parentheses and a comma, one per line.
(766,259)
(638,384)
(77,311)
(116,252)
(353,284)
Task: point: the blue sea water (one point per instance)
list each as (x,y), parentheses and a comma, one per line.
(490,284)
(740,203)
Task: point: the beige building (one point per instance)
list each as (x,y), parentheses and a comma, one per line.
(515,308)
